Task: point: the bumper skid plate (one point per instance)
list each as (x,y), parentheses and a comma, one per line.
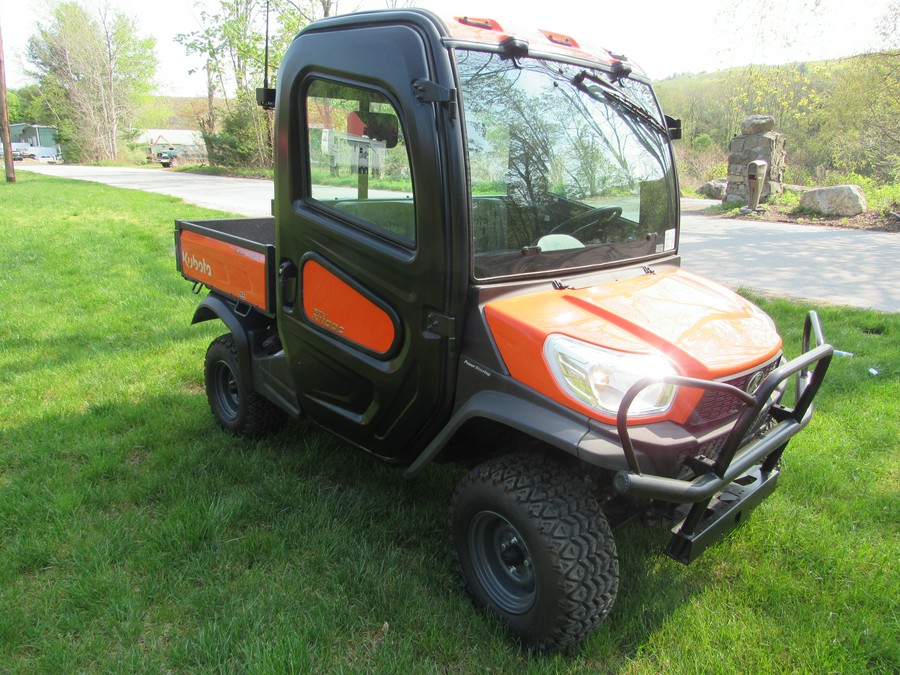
(704,525)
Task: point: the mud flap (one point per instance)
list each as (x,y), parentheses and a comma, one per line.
(710,520)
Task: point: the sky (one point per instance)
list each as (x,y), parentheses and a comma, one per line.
(663,37)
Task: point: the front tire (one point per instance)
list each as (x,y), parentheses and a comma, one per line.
(534,548)
(235,405)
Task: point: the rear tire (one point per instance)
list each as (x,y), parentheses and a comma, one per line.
(234,404)
(534,548)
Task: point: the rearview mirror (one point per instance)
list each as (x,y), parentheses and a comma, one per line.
(374,125)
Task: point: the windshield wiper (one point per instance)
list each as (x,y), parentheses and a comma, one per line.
(613,95)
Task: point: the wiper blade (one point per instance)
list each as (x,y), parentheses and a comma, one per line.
(613,94)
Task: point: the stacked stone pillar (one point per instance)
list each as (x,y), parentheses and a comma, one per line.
(757,140)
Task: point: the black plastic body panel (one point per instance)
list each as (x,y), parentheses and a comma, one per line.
(265,366)
(392,403)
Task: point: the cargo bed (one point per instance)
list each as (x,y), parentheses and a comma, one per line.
(234,257)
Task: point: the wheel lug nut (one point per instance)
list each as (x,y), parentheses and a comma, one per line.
(514,541)
(512,569)
(526,562)
(504,546)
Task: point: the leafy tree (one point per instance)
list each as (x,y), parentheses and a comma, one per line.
(92,70)
(868,107)
(14,107)
(232,39)
(30,109)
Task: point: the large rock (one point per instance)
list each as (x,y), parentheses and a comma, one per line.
(757,124)
(714,189)
(841,200)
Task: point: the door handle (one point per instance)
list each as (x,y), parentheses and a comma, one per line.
(287,278)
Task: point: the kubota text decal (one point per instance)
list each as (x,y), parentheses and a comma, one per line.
(232,269)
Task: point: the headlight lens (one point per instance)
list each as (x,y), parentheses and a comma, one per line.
(600,377)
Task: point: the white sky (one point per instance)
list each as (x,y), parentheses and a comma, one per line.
(664,37)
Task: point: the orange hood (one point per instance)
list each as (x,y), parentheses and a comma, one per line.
(706,330)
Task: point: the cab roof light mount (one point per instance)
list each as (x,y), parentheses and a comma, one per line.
(560,39)
(474,22)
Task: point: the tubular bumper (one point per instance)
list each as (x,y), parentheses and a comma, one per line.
(735,458)
(745,473)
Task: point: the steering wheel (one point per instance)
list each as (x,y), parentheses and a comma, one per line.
(603,214)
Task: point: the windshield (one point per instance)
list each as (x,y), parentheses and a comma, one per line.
(568,169)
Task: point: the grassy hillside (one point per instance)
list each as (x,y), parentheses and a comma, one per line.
(838,116)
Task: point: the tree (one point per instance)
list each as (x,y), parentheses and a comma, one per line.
(92,70)
(233,41)
(14,104)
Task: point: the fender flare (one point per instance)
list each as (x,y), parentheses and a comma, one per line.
(214,307)
(533,419)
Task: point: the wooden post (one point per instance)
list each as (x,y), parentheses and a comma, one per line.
(4,121)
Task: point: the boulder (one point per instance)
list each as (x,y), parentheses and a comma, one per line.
(841,200)
(757,124)
(714,189)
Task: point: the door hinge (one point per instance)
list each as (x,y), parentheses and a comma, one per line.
(427,91)
(443,325)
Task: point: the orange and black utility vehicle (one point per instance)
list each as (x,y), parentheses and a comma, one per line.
(473,258)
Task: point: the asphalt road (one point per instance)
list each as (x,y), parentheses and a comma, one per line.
(812,263)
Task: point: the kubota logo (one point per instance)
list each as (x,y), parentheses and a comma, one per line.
(755,382)
(190,262)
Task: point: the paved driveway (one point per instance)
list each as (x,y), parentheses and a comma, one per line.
(848,267)
(246,196)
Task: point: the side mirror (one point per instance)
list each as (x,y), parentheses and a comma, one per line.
(265,97)
(674,128)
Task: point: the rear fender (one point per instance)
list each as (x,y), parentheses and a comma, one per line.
(227,311)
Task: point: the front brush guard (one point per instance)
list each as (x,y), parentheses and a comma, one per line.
(744,472)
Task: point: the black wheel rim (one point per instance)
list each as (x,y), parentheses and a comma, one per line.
(502,562)
(226,391)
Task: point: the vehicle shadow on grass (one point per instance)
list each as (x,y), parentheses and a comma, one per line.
(76,346)
(652,587)
(299,524)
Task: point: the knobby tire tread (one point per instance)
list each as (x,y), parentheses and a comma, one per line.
(261,416)
(572,525)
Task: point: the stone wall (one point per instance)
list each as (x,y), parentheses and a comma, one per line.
(757,140)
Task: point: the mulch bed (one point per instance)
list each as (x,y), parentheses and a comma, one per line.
(870,220)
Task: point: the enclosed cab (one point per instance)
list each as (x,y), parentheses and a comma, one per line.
(474,258)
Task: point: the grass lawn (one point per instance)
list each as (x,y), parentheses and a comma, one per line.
(137,537)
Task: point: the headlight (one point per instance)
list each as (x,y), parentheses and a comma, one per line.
(600,377)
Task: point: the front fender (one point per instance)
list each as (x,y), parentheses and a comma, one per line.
(539,421)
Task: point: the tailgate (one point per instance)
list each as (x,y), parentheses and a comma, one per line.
(238,267)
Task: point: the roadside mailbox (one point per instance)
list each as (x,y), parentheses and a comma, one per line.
(756,177)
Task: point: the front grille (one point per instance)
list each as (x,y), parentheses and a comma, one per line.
(718,405)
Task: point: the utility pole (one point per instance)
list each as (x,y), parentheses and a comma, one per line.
(4,121)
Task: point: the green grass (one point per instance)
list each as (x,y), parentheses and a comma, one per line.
(137,537)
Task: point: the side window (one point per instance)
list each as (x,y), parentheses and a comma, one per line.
(358,158)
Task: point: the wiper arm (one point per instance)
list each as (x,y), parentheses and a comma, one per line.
(613,94)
